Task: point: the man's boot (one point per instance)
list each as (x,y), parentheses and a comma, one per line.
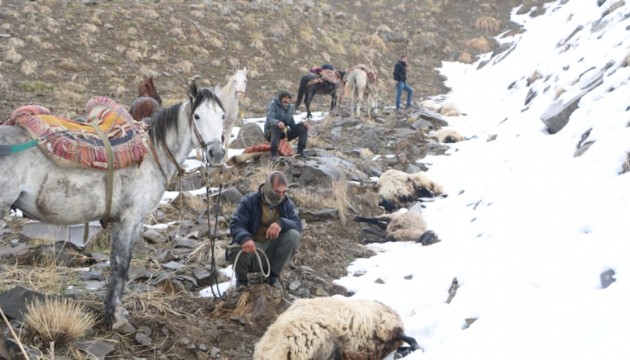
(274,154)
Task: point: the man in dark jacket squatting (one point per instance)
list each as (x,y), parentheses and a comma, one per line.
(267,220)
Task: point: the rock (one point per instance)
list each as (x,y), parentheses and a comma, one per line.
(13,302)
(173,265)
(154,236)
(607,278)
(98,348)
(230,195)
(312,215)
(320,175)
(250,134)
(142,339)
(294,285)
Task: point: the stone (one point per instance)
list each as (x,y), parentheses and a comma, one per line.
(249,135)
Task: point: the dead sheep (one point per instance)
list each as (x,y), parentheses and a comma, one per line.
(449,108)
(398,187)
(446,135)
(333,328)
(399,226)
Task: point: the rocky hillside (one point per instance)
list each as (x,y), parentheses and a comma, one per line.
(59,53)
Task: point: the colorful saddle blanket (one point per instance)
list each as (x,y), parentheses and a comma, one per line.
(77,144)
(327,75)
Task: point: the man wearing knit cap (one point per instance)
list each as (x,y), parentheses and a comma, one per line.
(268,220)
(280,124)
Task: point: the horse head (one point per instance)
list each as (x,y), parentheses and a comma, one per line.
(207,116)
(239,83)
(147,88)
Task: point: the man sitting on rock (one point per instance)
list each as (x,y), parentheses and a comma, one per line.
(280,125)
(265,220)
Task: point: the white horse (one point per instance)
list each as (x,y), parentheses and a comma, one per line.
(44,190)
(358,86)
(230,95)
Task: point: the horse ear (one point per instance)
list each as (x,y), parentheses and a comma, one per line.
(192,90)
(245,69)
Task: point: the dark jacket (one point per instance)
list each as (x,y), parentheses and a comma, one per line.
(247,217)
(400,71)
(276,113)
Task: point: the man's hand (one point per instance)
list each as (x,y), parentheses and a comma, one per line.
(248,246)
(281,125)
(273,231)
(307,125)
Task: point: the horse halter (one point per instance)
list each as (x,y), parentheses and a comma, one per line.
(205,93)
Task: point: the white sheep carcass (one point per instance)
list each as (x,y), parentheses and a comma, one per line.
(400,226)
(333,328)
(397,187)
(447,135)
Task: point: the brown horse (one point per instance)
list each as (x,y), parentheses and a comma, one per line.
(147,102)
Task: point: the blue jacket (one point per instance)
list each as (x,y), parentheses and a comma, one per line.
(247,217)
(400,71)
(276,112)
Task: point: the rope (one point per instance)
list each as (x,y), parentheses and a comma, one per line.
(213,236)
(266,274)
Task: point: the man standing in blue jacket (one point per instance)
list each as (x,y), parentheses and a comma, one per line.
(267,220)
(280,124)
(400,75)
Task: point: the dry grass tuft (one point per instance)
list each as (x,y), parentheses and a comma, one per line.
(215,42)
(479,44)
(28,67)
(336,199)
(68,64)
(16,43)
(58,320)
(12,55)
(155,302)
(185,66)
(366,154)
(488,24)
(375,42)
(260,176)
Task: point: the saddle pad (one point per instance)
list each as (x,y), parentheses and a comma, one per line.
(284,148)
(330,75)
(75,143)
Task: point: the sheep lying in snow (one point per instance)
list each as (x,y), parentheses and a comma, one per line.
(400,226)
(446,135)
(397,187)
(333,328)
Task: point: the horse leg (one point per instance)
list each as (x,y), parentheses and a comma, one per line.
(333,99)
(124,235)
(307,103)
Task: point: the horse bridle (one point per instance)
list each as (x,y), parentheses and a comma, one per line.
(204,144)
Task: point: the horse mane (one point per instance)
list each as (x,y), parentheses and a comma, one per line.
(161,122)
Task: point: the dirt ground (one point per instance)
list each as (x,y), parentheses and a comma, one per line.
(59,53)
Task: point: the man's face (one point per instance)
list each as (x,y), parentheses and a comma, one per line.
(279,189)
(404,59)
(285,101)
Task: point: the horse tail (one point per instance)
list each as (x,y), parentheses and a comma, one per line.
(301,91)
(350,87)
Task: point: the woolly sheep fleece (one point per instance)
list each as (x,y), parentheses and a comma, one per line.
(405,225)
(323,328)
(446,135)
(396,186)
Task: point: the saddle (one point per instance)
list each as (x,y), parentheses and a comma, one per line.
(371,73)
(326,75)
(73,143)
